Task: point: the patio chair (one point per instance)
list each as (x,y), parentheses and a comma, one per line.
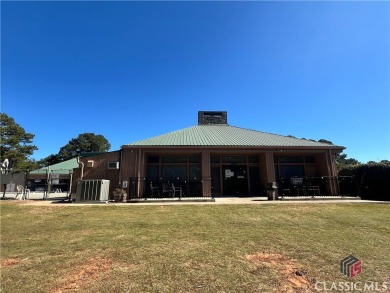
(313,189)
(297,185)
(154,190)
(284,189)
(176,190)
(166,189)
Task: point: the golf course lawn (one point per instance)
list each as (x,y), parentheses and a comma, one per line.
(190,248)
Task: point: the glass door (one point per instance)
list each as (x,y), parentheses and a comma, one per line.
(235,180)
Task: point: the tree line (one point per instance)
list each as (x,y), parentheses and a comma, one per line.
(17,147)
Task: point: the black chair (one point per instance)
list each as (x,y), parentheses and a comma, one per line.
(314,189)
(166,189)
(284,189)
(297,185)
(154,190)
(176,190)
(313,186)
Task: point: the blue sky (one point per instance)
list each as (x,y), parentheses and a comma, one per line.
(132,70)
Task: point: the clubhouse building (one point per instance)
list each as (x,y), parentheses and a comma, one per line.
(214,158)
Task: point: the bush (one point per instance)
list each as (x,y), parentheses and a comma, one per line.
(371,180)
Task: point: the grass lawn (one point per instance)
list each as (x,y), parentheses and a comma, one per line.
(199,248)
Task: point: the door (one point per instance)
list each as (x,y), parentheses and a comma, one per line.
(235,180)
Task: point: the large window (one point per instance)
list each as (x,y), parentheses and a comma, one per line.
(294,166)
(174,166)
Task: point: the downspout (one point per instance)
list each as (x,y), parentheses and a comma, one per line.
(82,168)
(120,168)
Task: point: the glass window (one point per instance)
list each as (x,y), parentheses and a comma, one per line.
(277,172)
(113,165)
(215,159)
(291,159)
(253,159)
(292,171)
(195,171)
(215,180)
(174,159)
(310,159)
(152,171)
(153,159)
(233,159)
(174,171)
(194,159)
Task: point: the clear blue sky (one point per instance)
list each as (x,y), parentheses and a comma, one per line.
(132,70)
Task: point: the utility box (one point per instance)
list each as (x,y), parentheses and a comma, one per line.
(92,190)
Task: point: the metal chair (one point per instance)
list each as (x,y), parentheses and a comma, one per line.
(298,187)
(284,189)
(176,189)
(166,189)
(154,190)
(313,189)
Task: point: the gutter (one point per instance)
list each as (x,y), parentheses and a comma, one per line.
(82,168)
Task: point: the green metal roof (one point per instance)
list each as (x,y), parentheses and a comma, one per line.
(59,168)
(226,135)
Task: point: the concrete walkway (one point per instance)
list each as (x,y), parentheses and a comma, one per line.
(54,199)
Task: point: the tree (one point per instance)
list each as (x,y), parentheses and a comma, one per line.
(84,143)
(16,144)
(50,160)
(325,141)
(342,161)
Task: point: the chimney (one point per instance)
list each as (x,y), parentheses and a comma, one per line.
(212,117)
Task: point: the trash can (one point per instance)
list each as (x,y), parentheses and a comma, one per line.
(271,190)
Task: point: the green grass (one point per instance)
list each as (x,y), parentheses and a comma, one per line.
(200,248)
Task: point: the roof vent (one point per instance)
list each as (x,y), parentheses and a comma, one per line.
(212,117)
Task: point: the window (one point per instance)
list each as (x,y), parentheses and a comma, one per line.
(174,159)
(233,159)
(113,165)
(215,159)
(153,159)
(291,166)
(169,171)
(253,159)
(174,166)
(290,159)
(310,159)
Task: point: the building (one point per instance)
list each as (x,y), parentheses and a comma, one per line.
(214,158)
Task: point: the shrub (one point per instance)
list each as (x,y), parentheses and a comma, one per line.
(371,180)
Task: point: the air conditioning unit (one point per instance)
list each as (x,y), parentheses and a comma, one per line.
(92,190)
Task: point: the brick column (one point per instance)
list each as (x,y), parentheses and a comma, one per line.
(206,174)
(270,166)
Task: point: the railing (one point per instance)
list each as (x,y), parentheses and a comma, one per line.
(317,186)
(165,187)
(186,188)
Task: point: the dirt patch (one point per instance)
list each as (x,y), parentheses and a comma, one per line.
(294,279)
(9,262)
(83,275)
